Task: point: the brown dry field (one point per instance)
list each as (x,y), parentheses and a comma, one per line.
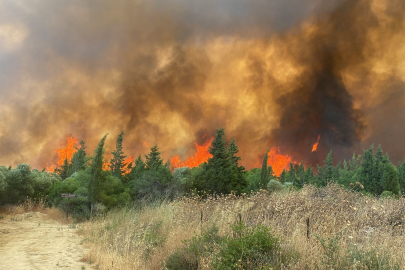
(35,240)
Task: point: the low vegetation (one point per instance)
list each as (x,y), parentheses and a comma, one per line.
(313,228)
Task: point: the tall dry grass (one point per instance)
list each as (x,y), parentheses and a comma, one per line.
(143,239)
(35,205)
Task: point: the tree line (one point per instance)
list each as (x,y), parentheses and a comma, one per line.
(149,179)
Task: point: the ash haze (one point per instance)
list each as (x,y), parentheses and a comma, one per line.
(272,72)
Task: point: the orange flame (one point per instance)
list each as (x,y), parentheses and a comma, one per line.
(127,161)
(315,146)
(125,169)
(145,144)
(201,156)
(278,161)
(64,153)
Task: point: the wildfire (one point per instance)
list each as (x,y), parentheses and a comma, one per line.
(201,156)
(315,146)
(64,153)
(145,144)
(127,162)
(278,161)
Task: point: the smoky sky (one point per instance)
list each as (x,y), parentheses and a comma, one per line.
(273,73)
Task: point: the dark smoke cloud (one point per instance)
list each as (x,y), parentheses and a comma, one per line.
(171,72)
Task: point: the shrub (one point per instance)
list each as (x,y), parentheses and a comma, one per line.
(189,256)
(387,194)
(274,185)
(248,248)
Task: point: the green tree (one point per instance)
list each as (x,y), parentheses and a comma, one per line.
(326,173)
(79,159)
(153,160)
(96,173)
(401,175)
(65,170)
(117,162)
(283,177)
(264,175)
(155,181)
(218,175)
(390,176)
(237,172)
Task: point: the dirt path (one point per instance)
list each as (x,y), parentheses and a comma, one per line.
(31,241)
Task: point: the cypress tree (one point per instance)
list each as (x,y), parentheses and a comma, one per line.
(283,177)
(96,170)
(237,173)
(79,160)
(117,162)
(264,174)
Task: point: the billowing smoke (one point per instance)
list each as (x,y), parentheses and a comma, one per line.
(273,73)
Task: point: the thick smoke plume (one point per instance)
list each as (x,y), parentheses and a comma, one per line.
(273,73)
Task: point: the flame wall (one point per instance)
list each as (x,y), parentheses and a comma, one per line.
(273,73)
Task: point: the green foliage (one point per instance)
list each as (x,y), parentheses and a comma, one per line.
(326,173)
(79,159)
(154,180)
(353,257)
(221,174)
(189,256)
(117,162)
(274,186)
(248,248)
(96,172)
(390,177)
(401,176)
(253,179)
(16,185)
(263,176)
(184,177)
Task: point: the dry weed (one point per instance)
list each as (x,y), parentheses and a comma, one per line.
(143,239)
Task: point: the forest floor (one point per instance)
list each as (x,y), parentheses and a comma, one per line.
(35,240)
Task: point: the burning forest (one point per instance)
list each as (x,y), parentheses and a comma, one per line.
(298,78)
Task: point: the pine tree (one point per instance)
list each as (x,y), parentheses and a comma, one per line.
(79,160)
(292,177)
(96,170)
(138,169)
(264,175)
(301,180)
(325,173)
(153,160)
(237,172)
(219,174)
(117,162)
(390,176)
(283,177)
(65,170)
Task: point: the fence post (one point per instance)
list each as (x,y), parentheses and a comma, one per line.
(308,228)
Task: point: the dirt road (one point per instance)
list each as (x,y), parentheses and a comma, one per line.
(31,241)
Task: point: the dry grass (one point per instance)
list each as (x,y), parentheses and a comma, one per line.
(31,205)
(131,239)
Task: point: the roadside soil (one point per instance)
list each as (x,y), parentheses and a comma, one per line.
(34,241)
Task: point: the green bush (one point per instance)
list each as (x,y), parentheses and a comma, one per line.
(248,248)
(387,194)
(274,185)
(189,256)
(353,257)
(244,248)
